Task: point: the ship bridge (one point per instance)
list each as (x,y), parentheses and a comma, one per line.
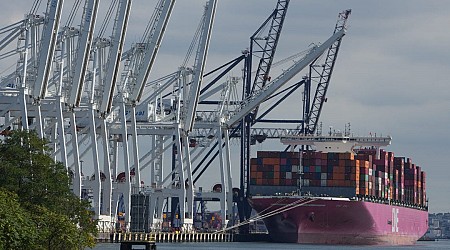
(337,142)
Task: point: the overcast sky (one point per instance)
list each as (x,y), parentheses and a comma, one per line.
(391,77)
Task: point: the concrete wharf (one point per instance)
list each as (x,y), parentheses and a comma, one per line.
(164,237)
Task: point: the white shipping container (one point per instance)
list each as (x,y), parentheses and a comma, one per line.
(323,176)
(288,175)
(323,183)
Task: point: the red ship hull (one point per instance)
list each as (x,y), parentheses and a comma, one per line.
(340,221)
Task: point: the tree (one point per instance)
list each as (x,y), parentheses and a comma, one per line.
(16,227)
(62,220)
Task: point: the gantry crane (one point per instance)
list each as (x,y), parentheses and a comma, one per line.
(138,65)
(99,101)
(266,51)
(76,44)
(178,184)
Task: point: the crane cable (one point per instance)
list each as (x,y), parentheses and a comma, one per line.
(73,12)
(107,18)
(147,35)
(194,41)
(35,6)
(298,203)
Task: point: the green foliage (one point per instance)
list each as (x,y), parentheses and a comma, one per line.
(17,230)
(60,220)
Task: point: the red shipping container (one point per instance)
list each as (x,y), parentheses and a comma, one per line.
(295,161)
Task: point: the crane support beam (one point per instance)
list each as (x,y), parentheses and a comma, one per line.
(152,49)
(194,92)
(268,51)
(115,51)
(324,77)
(47,48)
(256,99)
(84,49)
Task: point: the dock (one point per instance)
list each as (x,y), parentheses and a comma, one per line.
(163,237)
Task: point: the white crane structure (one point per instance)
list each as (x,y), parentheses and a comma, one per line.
(90,97)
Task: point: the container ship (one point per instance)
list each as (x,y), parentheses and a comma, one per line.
(339,194)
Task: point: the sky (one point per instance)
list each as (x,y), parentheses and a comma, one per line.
(392,75)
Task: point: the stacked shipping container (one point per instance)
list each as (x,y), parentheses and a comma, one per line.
(366,174)
(275,169)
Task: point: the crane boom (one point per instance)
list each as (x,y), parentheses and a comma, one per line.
(200,60)
(83,51)
(151,50)
(268,51)
(258,97)
(47,45)
(313,115)
(115,51)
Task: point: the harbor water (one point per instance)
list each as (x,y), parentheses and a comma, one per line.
(442,244)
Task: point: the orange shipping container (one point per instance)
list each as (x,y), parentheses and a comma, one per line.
(271,161)
(276,168)
(337,170)
(259,175)
(276,175)
(275,161)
